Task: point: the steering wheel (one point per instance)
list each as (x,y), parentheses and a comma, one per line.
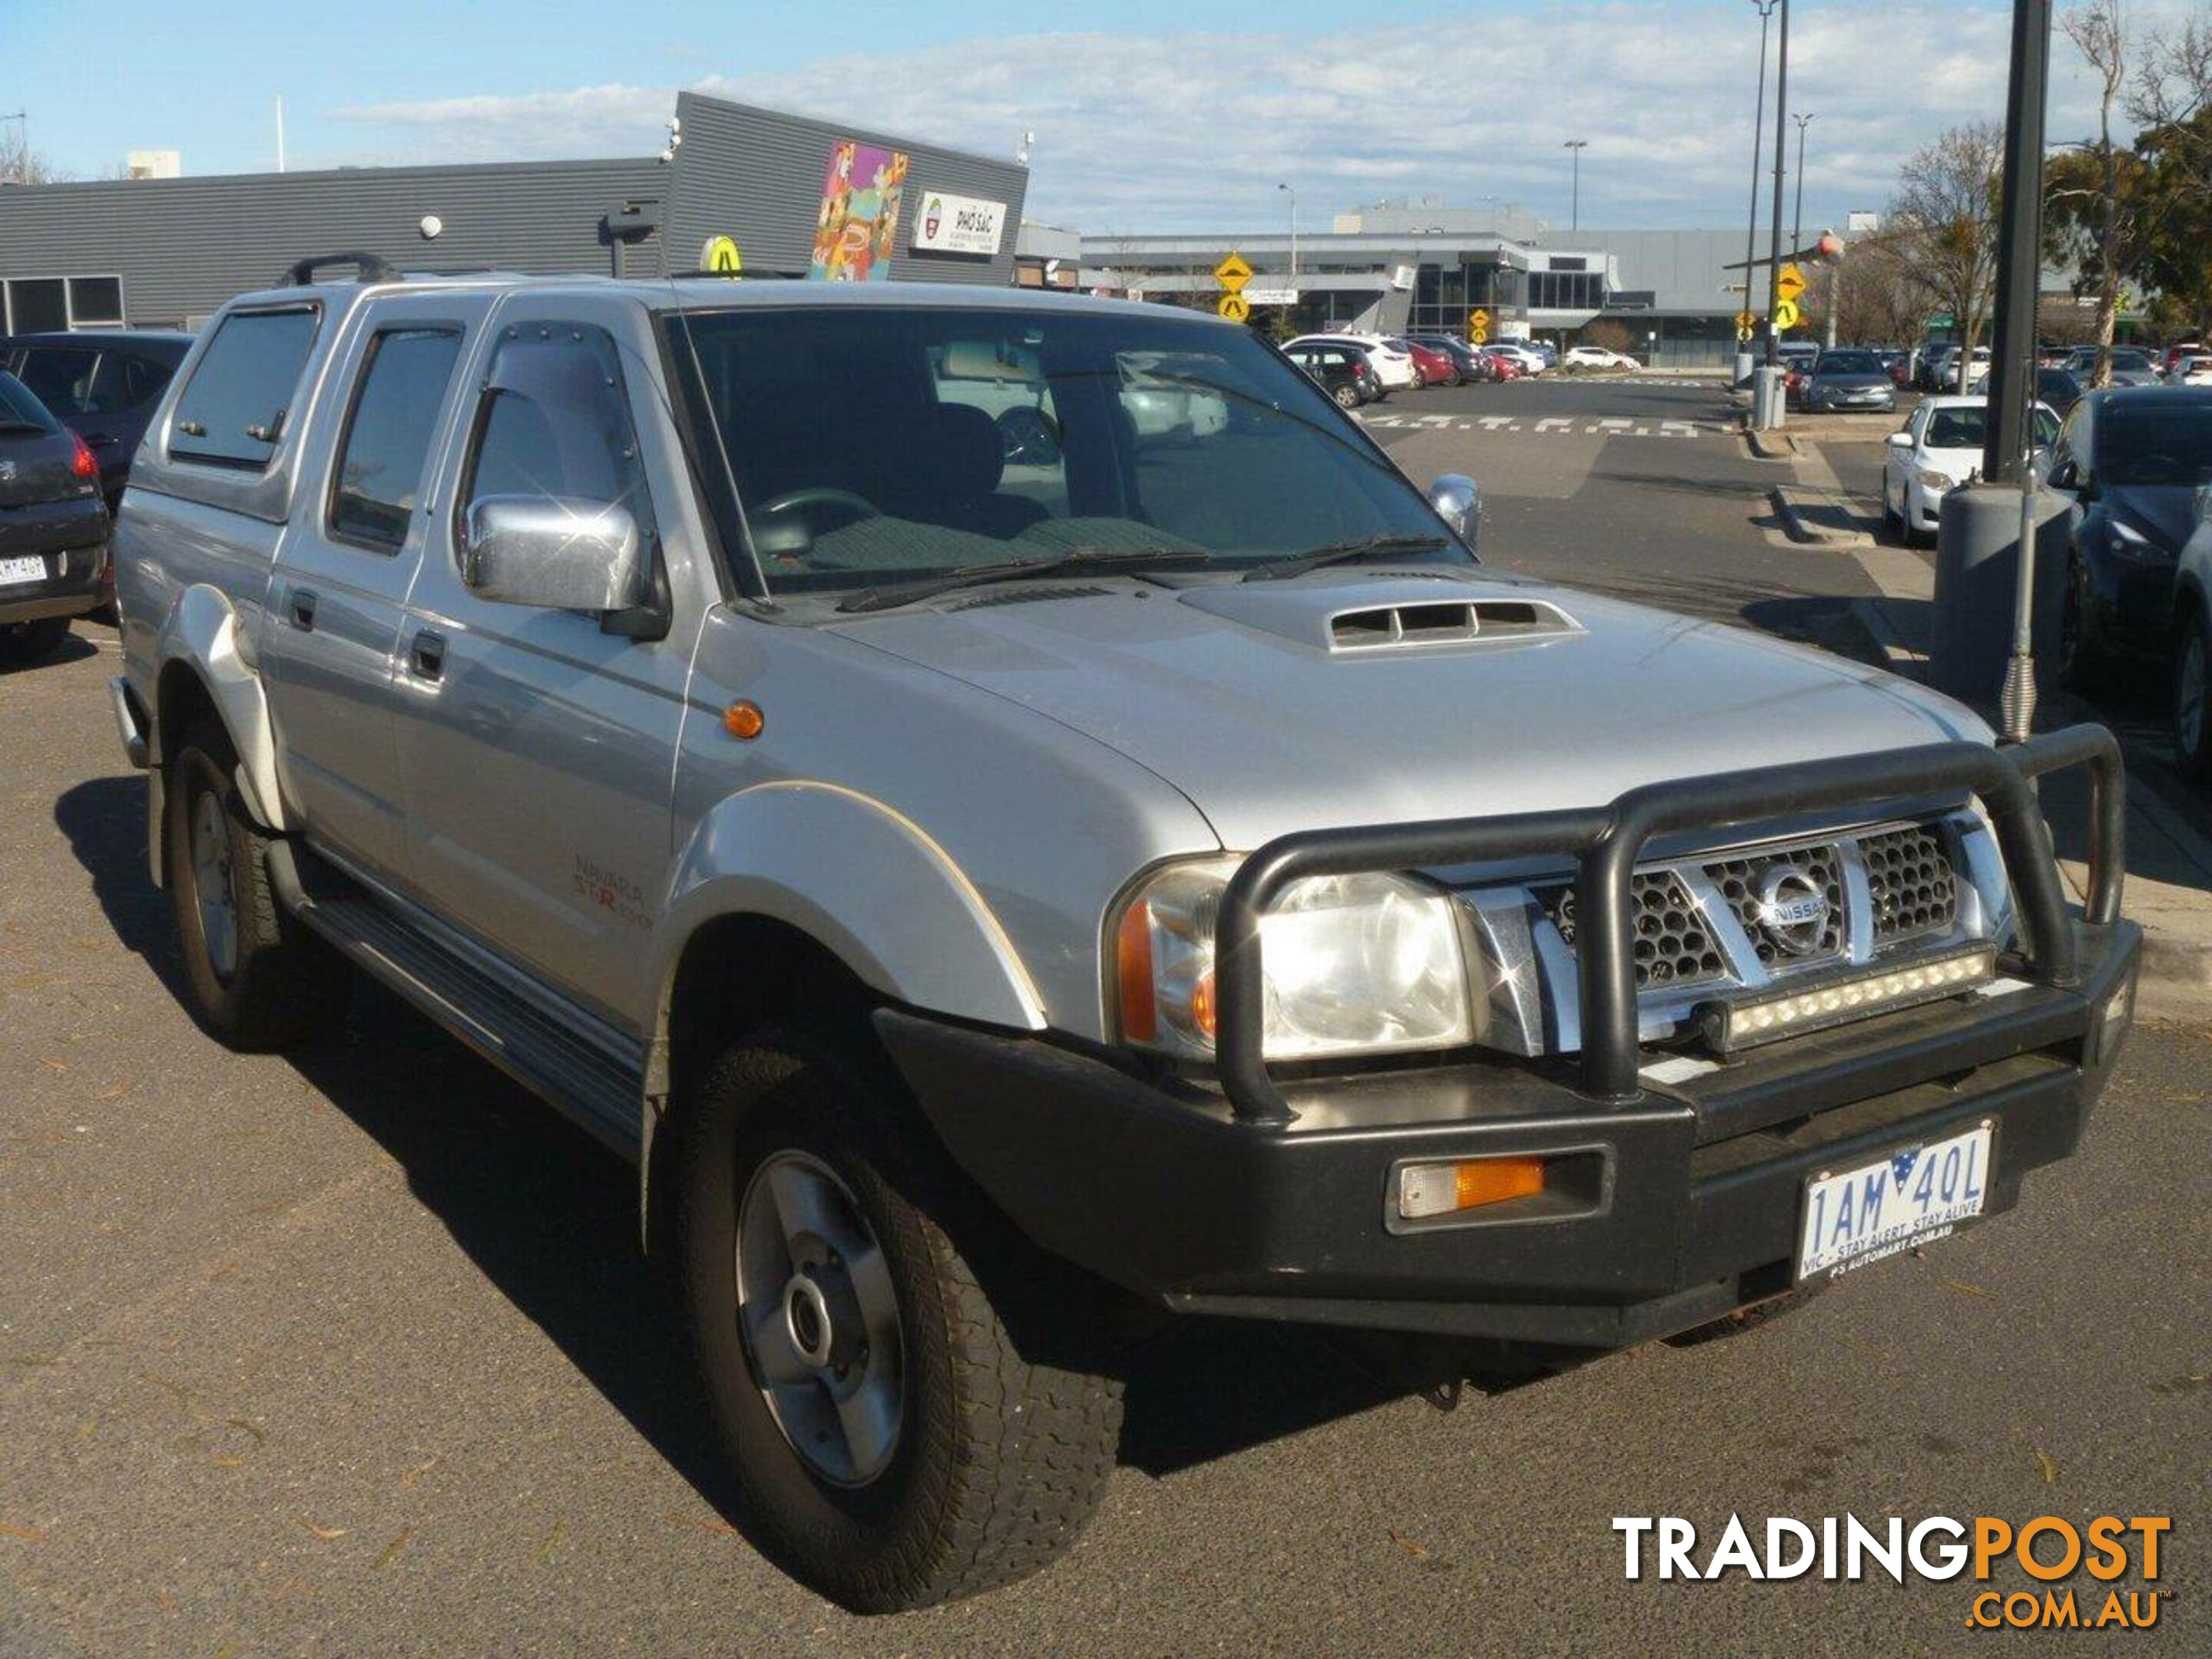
(785,528)
(1029,438)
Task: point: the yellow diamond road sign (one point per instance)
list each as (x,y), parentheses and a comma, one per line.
(1478,325)
(1785,316)
(1234,307)
(1790,284)
(1746,320)
(1233,273)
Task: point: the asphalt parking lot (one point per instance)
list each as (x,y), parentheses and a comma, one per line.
(349,1351)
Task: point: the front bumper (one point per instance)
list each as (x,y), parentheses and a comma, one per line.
(1161,1190)
(1274,1196)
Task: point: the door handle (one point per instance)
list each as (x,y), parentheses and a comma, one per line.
(303,609)
(426,655)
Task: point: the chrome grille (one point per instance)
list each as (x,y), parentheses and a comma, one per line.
(1739,880)
(1673,946)
(1911,881)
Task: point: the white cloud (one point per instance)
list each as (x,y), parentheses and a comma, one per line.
(1139,133)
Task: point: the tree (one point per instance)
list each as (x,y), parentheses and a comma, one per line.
(22,165)
(2171,103)
(1873,290)
(1945,216)
(2094,210)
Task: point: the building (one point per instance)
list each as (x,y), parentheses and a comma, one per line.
(763,191)
(1422,267)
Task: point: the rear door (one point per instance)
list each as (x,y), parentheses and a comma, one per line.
(343,571)
(539,748)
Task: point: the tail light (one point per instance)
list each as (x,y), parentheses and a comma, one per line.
(81,465)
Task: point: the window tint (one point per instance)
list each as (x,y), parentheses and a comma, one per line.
(387,436)
(62,378)
(1956,428)
(233,411)
(136,380)
(2163,440)
(19,408)
(554,424)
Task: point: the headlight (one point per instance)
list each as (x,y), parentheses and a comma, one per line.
(2128,540)
(1936,482)
(1354,964)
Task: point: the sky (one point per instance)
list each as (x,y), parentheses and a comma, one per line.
(1142,122)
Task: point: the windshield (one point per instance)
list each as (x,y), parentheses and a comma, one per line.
(1965,429)
(881,445)
(1849,363)
(2167,439)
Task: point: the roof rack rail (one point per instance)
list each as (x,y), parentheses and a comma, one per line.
(750,273)
(368,268)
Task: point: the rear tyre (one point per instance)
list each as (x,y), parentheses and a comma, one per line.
(2192,699)
(1347,397)
(258,978)
(23,643)
(854,1306)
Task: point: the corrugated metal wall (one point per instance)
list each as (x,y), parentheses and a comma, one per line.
(757,175)
(184,245)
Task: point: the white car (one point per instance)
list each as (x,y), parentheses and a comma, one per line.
(1590,356)
(1528,361)
(1394,364)
(2192,371)
(1938,450)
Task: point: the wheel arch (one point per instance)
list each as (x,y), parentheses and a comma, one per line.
(203,666)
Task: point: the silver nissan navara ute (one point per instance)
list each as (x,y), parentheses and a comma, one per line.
(1009,809)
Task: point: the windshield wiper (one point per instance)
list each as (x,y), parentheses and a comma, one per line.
(1343,553)
(892,594)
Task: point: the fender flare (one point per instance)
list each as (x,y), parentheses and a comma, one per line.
(201,631)
(858,877)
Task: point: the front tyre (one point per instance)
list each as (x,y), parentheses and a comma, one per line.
(2192,699)
(895,1443)
(258,978)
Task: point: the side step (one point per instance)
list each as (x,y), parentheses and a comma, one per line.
(588,1071)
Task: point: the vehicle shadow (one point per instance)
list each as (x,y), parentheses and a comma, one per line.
(74,648)
(551,1219)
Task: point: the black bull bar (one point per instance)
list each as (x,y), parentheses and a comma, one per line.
(1606,841)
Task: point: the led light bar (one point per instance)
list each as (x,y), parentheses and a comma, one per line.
(1733,1026)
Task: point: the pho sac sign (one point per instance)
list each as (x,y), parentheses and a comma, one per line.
(959,224)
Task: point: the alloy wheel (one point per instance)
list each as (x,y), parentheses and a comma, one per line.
(819,1317)
(211,884)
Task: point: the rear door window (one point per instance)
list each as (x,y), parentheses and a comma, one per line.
(396,402)
(63,378)
(234,409)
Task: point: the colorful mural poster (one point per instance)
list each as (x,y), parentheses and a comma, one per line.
(854,232)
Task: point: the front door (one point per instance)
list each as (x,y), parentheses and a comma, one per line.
(539,747)
(344,568)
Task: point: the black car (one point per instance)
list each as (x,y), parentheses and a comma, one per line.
(102,385)
(1472,365)
(2132,458)
(1342,371)
(53,528)
(2059,387)
(1848,379)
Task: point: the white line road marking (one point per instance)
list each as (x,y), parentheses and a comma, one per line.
(1551,426)
(1493,422)
(1555,424)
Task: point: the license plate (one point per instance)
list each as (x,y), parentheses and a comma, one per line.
(1854,1218)
(21,570)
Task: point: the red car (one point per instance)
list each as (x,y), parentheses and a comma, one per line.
(1507,368)
(1434,366)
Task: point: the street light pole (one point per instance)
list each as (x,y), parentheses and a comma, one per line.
(1774,268)
(1575,213)
(1797,220)
(1294,230)
(1751,234)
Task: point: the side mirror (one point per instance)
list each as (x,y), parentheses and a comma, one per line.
(2064,476)
(1458,502)
(1900,440)
(553,553)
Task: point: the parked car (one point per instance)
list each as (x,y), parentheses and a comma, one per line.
(1928,373)
(1937,449)
(1394,364)
(1471,364)
(1520,353)
(1504,365)
(1547,354)
(2131,366)
(102,385)
(53,528)
(1342,371)
(1590,356)
(2191,370)
(1436,368)
(1800,355)
(2133,458)
(2174,353)
(646,764)
(2058,388)
(1846,381)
